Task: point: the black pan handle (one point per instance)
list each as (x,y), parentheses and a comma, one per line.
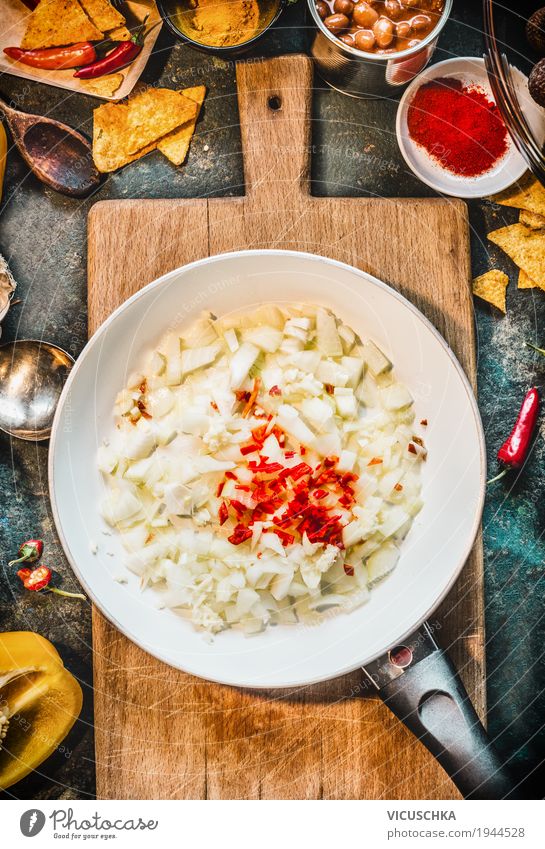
(420,685)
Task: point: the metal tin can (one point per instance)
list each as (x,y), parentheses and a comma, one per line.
(368,75)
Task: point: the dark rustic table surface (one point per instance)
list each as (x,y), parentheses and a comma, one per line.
(43,235)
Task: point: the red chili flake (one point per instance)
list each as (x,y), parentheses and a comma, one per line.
(375,461)
(302,450)
(142,407)
(231,476)
(267,468)
(329,462)
(243,487)
(259,433)
(348,477)
(220,488)
(240,534)
(320,493)
(418,440)
(223,513)
(249,449)
(349,570)
(424,422)
(329,388)
(242,395)
(345,500)
(275,390)
(289,455)
(398,487)
(237,506)
(252,399)
(214,406)
(298,471)
(286,539)
(411,448)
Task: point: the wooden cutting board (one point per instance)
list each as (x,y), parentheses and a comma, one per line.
(162,734)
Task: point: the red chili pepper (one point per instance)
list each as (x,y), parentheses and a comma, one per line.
(223,513)
(349,570)
(35,579)
(514,450)
(121,56)
(39,578)
(29,552)
(55,58)
(275,390)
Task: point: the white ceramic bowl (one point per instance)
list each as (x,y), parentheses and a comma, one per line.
(453,477)
(509,169)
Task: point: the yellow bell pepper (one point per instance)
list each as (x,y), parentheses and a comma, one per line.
(3,155)
(39,703)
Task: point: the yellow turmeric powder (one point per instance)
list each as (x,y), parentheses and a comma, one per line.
(222,23)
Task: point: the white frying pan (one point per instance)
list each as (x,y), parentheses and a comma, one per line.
(419,684)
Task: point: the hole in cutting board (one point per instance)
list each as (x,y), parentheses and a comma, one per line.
(275,102)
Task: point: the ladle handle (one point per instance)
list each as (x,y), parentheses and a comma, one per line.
(420,685)
(5,109)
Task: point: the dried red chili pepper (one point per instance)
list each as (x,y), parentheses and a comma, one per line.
(29,552)
(223,513)
(514,450)
(54,58)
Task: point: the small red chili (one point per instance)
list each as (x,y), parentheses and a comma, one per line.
(514,450)
(29,552)
(35,579)
(275,390)
(223,513)
(349,570)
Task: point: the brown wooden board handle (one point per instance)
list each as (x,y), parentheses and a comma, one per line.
(274,101)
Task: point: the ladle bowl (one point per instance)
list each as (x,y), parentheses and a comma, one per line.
(32,375)
(58,155)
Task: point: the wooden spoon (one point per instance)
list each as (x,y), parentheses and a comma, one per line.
(58,155)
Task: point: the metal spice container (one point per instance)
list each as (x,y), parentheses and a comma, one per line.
(370,75)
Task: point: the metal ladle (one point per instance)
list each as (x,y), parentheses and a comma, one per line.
(58,155)
(32,375)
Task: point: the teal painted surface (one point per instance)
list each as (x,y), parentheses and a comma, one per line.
(354,153)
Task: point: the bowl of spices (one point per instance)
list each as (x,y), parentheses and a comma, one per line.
(221,27)
(451,133)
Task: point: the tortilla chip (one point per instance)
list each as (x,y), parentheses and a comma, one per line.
(525,282)
(123,132)
(527,194)
(102,14)
(526,248)
(175,145)
(491,287)
(103,86)
(54,23)
(532,219)
(119,34)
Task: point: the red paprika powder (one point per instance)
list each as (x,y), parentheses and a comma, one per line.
(458,125)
